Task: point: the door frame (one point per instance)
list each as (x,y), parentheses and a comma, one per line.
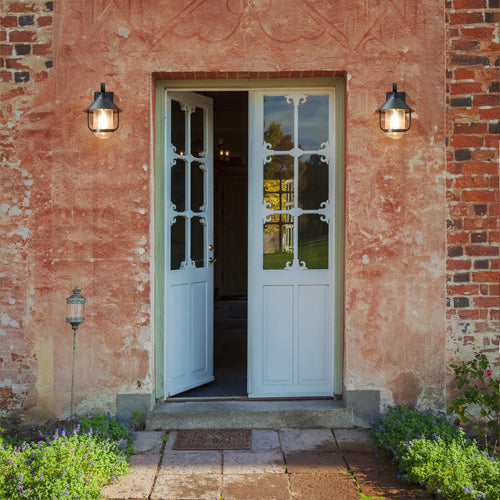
(158,203)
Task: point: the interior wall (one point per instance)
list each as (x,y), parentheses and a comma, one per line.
(231,194)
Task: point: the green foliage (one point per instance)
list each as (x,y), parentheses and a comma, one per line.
(108,427)
(455,470)
(432,452)
(73,463)
(480,389)
(401,423)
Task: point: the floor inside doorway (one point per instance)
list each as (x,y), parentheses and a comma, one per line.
(230,353)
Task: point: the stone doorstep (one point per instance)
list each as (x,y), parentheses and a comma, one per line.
(250,414)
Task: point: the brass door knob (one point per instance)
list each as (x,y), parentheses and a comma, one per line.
(211,260)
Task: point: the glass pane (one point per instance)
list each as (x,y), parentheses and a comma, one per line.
(278,182)
(278,241)
(178,120)
(197,178)
(177,185)
(177,242)
(197,241)
(313,122)
(278,122)
(313,241)
(197,143)
(313,182)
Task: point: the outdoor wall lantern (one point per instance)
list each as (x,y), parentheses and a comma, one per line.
(395,114)
(103,115)
(75,315)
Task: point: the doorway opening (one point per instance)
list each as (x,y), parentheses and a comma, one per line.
(230,351)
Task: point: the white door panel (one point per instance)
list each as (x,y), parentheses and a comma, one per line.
(189,240)
(291,255)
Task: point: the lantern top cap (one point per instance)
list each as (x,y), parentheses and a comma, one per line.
(103,100)
(395,100)
(75,297)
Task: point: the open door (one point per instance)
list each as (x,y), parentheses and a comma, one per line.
(188,242)
(291,243)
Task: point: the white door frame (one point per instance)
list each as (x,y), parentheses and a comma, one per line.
(328,83)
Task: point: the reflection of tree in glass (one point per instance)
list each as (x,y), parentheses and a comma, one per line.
(313,182)
(280,166)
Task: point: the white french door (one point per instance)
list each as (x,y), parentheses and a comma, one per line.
(188,242)
(291,243)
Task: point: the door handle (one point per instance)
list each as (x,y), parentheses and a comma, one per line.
(211,260)
(210,247)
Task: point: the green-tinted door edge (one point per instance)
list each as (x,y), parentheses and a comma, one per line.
(159,240)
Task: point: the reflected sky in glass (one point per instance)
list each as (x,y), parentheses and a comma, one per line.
(313,119)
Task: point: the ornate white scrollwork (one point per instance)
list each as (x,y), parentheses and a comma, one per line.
(187,107)
(325,152)
(267,148)
(296,265)
(172,214)
(325,211)
(191,264)
(202,166)
(296,211)
(203,221)
(297,99)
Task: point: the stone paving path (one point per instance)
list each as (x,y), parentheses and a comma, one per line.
(299,464)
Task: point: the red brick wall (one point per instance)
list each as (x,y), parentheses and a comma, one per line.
(25,61)
(472,97)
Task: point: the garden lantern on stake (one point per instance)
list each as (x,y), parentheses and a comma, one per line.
(103,115)
(395,114)
(75,315)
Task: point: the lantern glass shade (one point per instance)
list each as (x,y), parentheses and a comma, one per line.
(75,308)
(395,119)
(103,116)
(395,114)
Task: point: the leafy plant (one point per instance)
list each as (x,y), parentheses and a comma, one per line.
(479,390)
(68,463)
(434,453)
(455,470)
(402,423)
(108,427)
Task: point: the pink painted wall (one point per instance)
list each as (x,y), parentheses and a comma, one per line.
(90,202)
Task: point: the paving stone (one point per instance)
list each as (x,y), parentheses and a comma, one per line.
(323,487)
(355,440)
(312,440)
(187,487)
(138,482)
(265,440)
(255,487)
(191,462)
(368,462)
(148,442)
(253,462)
(384,484)
(307,462)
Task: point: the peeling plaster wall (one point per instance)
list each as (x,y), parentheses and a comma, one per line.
(89,201)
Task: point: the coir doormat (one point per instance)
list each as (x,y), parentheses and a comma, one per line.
(213,439)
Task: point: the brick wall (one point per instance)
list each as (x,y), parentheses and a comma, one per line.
(472,126)
(25,62)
